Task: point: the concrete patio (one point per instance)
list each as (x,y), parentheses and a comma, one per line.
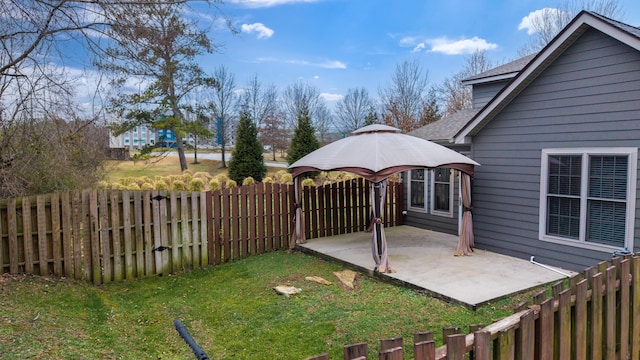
(424,260)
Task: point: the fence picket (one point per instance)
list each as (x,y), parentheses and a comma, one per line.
(624,309)
(482,345)
(56,235)
(12,232)
(27,235)
(93,239)
(189,247)
(635,308)
(139,233)
(580,322)
(2,245)
(116,248)
(243,204)
(261,218)
(525,337)
(610,313)
(129,264)
(564,324)
(104,239)
(596,316)
(277,216)
(41,226)
(67,235)
(456,347)
(177,244)
(546,322)
(196,239)
(202,219)
(147,214)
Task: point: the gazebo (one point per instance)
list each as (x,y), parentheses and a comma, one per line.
(376,152)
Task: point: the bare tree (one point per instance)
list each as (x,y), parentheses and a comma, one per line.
(550,21)
(452,93)
(404,97)
(352,110)
(38,113)
(274,133)
(297,97)
(225,102)
(323,123)
(260,101)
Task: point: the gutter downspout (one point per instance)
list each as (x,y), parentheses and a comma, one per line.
(549,268)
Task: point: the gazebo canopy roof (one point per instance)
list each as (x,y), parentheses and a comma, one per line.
(376,152)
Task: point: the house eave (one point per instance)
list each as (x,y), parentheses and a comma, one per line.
(554,49)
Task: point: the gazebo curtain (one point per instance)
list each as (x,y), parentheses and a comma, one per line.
(298,235)
(380,255)
(465,243)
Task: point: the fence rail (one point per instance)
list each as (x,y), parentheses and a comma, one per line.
(104,236)
(593,315)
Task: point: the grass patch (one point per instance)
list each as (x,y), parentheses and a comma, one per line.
(231,310)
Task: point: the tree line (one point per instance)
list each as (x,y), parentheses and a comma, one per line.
(146,54)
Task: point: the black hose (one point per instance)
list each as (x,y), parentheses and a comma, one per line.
(197,350)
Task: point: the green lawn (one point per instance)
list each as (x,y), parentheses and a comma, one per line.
(231,310)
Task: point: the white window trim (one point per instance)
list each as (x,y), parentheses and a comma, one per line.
(415,208)
(631,195)
(432,194)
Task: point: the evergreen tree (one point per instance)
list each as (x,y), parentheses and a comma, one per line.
(304,139)
(246,158)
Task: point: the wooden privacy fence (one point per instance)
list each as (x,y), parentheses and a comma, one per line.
(593,315)
(104,236)
(345,207)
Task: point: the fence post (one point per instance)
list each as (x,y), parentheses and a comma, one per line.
(635,308)
(456,347)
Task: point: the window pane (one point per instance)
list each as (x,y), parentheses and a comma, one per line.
(417,174)
(563,217)
(442,174)
(606,222)
(417,194)
(564,174)
(608,177)
(441,202)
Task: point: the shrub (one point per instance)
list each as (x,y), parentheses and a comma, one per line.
(146,186)
(231,184)
(196,184)
(178,185)
(248,181)
(268,180)
(214,185)
(286,179)
(308,182)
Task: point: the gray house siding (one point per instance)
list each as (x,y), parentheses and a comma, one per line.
(483,93)
(425,220)
(589,97)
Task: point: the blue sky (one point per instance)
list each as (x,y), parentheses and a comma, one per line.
(340,44)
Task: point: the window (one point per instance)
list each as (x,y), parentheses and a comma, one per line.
(416,189)
(442,192)
(587,197)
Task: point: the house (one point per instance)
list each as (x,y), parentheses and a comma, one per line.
(557,136)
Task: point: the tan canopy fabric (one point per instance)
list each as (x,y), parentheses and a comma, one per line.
(376,152)
(465,243)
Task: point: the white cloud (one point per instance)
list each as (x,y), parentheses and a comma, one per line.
(316,77)
(330,64)
(537,17)
(331,97)
(408,41)
(457,47)
(418,47)
(269,3)
(259,28)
